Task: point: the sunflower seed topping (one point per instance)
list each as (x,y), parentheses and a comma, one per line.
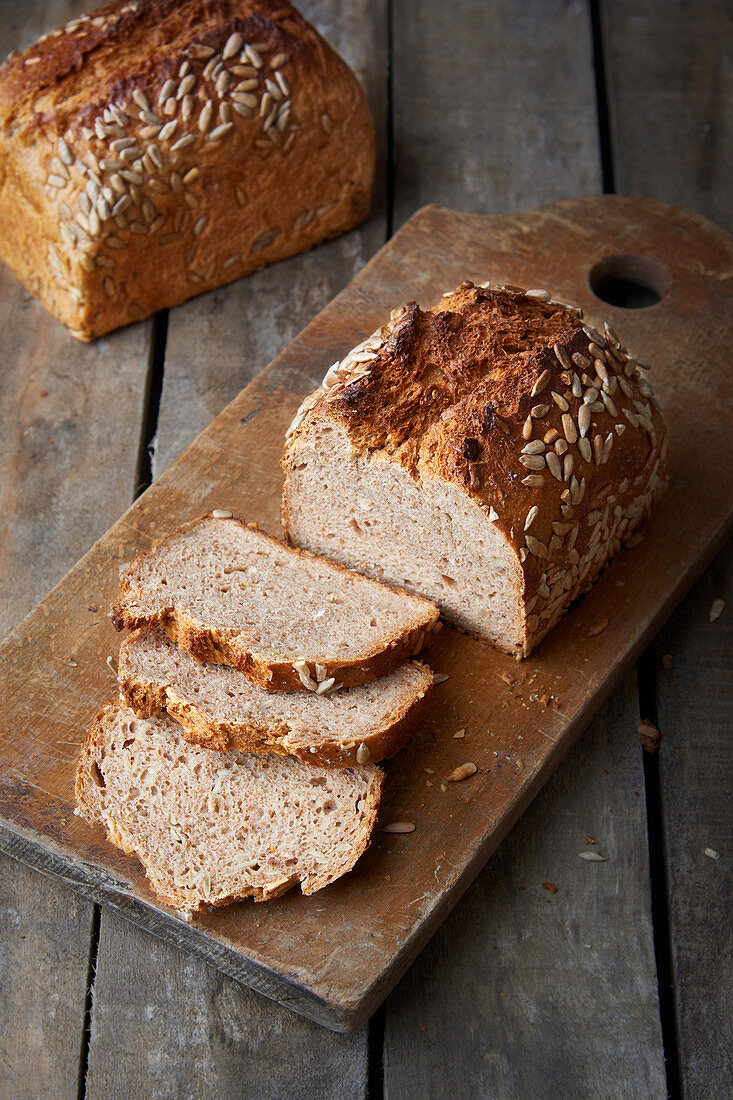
(541,383)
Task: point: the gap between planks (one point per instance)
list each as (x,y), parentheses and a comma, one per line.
(646,676)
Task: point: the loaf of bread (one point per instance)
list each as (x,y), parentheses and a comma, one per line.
(220,709)
(287,620)
(212,827)
(155,149)
(491,453)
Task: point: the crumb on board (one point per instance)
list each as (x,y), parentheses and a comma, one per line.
(717,607)
(650,735)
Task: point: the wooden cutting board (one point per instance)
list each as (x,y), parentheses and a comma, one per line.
(336,955)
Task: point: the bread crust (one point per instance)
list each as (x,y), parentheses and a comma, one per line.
(106,216)
(460,392)
(91,809)
(147,698)
(219,647)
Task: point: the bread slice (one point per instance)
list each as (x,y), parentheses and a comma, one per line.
(288,620)
(221,709)
(210,827)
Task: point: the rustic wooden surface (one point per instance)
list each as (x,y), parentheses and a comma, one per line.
(526,70)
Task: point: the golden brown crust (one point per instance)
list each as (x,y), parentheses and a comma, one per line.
(137,170)
(549,427)
(146,699)
(90,808)
(219,647)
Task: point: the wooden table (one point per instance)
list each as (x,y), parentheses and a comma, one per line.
(619,984)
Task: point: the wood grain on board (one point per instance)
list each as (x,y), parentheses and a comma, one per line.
(212,1027)
(299,948)
(71,419)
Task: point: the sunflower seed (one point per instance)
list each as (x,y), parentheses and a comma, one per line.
(553,465)
(183,142)
(559,401)
(201,52)
(541,383)
(232,45)
(363,755)
(220,131)
(166,91)
(562,356)
(535,546)
(200,225)
(531,517)
(399,827)
(569,428)
(533,462)
(533,481)
(462,772)
(326,123)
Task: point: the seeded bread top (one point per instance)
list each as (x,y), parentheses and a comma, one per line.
(166,123)
(542,420)
(287,619)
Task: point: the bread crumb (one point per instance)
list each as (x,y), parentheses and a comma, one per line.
(650,735)
(717,607)
(712,854)
(550,887)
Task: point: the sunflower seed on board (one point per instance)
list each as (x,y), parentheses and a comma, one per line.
(399,827)
(462,772)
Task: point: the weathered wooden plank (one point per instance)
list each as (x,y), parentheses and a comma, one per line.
(165,1025)
(674,59)
(44,959)
(694,691)
(210,1028)
(493,105)
(70,421)
(514,125)
(670,91)
(542,982)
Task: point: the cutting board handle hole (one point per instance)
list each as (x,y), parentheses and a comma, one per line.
(629,282)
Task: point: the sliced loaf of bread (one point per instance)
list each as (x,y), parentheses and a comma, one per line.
(287,619)
(210,828)
(220,709)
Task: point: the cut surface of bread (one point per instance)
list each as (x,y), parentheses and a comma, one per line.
(220,709)
(210,828)
(491,453)
(288,620)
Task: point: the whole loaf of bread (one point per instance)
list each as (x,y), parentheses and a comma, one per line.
(491,453)
(155,149)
